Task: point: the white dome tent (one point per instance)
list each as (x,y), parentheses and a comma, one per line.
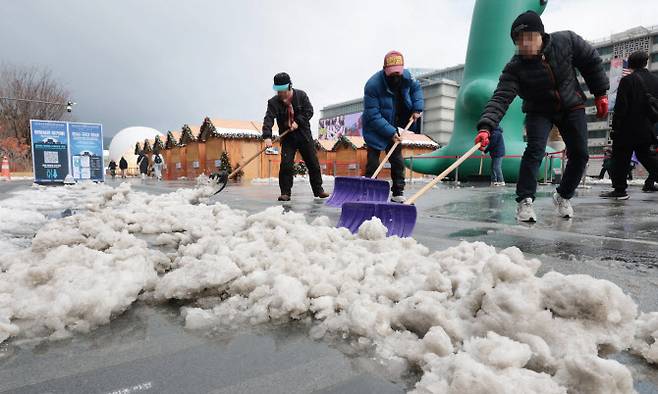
(123,143)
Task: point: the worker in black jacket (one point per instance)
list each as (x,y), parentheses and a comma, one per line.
(293,111)
(543,74)
(632,130)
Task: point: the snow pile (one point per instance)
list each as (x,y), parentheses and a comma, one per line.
(596,181)
(22,215)
(471,318)
(296,179)
(646,337)
(82,269)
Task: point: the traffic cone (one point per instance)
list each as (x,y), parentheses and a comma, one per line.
(5,169)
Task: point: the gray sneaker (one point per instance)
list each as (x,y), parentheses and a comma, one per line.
(525,211)
(563,206)
(398,199)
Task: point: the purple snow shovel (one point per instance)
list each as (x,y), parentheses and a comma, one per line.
(399,219)
(354,189)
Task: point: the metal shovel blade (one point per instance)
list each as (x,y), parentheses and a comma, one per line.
(354,189)
(221,178)
(399,219)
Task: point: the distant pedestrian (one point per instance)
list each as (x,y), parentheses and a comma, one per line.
(631,167)
(158,164)
(633,131)
(123,166)
(143,164)
(607,162)
(496,150)
(113,168)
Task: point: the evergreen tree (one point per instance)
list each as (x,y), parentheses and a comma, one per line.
(225,163)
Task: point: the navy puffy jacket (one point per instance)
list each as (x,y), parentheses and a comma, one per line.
(379,108)
(496,147)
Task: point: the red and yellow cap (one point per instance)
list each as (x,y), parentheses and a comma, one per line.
(393,62)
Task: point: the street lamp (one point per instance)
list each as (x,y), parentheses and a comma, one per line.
(69,104)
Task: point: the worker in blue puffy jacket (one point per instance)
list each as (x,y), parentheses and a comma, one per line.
(392,97)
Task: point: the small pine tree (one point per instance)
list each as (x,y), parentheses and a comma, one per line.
(300,168)
(225,163)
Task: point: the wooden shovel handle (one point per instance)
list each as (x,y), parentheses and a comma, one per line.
(390,152)
(241,166)
(481,161)
(443,174)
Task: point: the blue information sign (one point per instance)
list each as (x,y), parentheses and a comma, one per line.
(86,147)
(50,156)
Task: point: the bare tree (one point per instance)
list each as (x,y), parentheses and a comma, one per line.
(30,83)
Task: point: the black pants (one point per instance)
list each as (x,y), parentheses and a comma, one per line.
(602,173)
(573,129)
(621,159)
(397,167)
(289,146)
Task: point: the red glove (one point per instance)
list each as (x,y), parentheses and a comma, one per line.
(601,103)
(482,138)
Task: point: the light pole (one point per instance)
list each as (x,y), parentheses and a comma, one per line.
(69,104)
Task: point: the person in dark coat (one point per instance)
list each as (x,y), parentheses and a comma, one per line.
(113,168)
(496,149)
(143,164)
(632,130)
(292,110)
(607,162)
(543,74)
(650,183)
(123,166)
(391,99)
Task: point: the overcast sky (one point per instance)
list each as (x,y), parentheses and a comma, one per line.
(162,63)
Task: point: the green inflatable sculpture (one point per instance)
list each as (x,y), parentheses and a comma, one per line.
(489,49)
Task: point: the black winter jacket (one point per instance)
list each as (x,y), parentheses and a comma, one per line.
(276,109)
(630,123)
(548,83)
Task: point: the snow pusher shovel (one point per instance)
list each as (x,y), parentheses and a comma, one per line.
(399,219)
(222,177)
(351,189)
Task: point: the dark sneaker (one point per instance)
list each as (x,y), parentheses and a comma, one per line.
(284,197)
(650,189)
(322,194)
(615,195)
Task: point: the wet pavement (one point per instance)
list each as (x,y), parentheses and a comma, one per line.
(147,350)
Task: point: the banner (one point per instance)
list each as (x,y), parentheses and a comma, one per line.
(86,147)
(354,124)
(616,74)
(50,156)
(334,128)
(331,128)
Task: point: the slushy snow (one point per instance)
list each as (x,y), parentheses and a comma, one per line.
(471,318)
